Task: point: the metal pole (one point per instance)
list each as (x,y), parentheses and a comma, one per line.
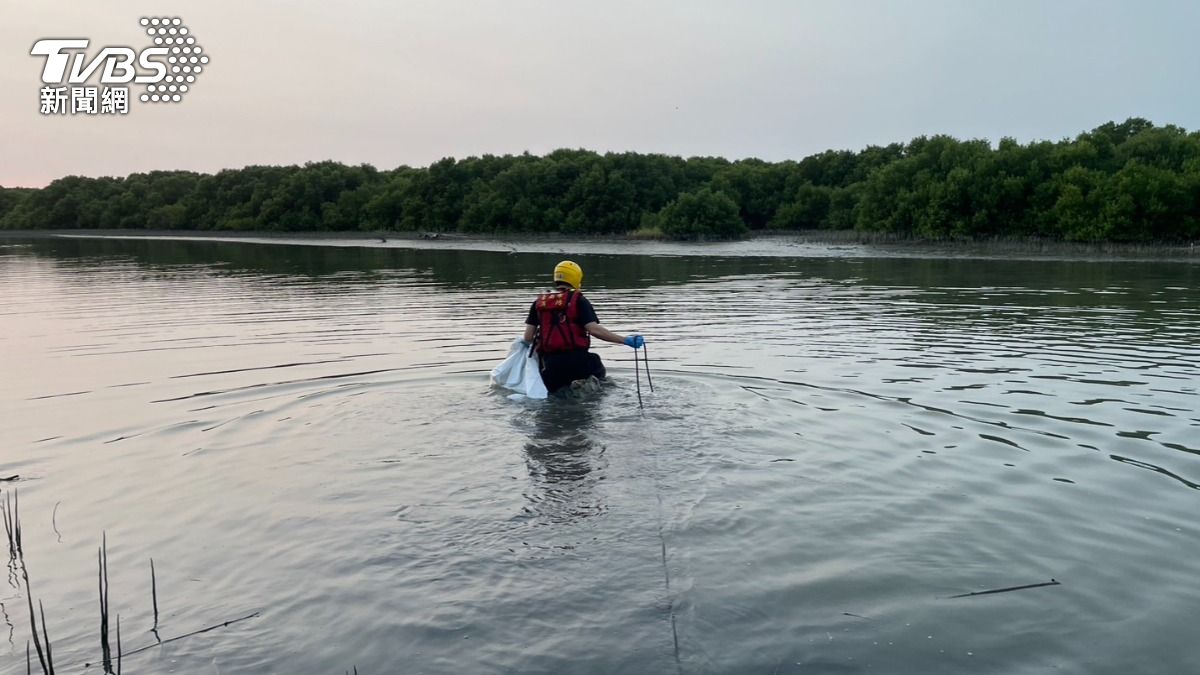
(646,355)
(638,377)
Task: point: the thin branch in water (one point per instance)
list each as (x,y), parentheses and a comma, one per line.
(1052,582)
(195,632)
(118,644)
(54,521)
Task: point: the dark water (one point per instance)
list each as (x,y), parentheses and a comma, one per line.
(839,440)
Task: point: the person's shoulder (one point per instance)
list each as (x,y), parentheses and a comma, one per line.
(587,313)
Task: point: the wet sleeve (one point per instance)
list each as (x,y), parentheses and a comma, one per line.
(532,319)
(587,314)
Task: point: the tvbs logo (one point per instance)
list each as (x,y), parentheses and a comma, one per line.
(168,69)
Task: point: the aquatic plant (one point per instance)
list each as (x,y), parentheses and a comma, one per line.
(111,660)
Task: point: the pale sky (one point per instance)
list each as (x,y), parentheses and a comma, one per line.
(391,82)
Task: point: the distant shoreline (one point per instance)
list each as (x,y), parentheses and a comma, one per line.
(1132,183)
(952,247)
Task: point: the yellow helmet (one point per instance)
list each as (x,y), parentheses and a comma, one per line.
(568,273)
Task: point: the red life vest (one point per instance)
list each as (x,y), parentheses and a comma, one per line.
(558,322)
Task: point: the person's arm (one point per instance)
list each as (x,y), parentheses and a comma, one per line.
(596,330)
(531,323)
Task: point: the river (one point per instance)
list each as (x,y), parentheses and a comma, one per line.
(840,438)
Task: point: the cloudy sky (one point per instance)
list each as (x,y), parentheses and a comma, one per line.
(391,82)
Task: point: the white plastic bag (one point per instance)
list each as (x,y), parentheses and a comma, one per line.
(519,372)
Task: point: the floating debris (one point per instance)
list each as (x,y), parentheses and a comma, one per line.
(1052,582)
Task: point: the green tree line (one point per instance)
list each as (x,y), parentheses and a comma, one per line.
(1131,181)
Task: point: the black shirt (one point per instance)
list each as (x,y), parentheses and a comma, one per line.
(586,314)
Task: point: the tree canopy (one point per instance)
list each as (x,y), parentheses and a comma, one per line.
(1130,181)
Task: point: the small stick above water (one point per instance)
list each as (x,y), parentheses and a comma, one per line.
(154,597)
(1052,582)
(646,358)
(637,374)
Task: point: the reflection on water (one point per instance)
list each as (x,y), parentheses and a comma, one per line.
(838,442)
(564,461)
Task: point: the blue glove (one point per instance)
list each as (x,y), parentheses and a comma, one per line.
(635,341)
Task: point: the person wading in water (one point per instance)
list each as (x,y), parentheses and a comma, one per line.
(561,324)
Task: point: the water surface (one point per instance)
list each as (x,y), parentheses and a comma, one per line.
(840,438)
